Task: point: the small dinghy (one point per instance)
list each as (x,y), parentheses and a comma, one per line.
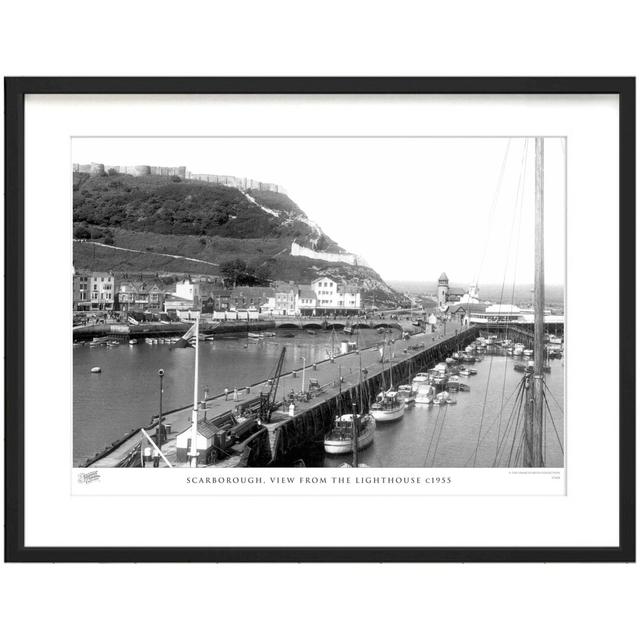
(96,370)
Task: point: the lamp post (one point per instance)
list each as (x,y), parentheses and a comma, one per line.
(206,397)
(304,364)
(161,431)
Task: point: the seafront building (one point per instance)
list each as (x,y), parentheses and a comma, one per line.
(99,291)
(93,291)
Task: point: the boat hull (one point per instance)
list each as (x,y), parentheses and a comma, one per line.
(337,446)
(388,415)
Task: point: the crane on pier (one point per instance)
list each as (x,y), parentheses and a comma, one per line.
(268,401)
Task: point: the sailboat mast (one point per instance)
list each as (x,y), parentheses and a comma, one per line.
(193,452)
(538,332)
(534,409)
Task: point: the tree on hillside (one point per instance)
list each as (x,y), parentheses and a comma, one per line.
(237,272)
(233,271)
(81,232)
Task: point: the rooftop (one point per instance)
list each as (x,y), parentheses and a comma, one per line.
(502,308)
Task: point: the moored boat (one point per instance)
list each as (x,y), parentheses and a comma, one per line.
(406,393)
(420,379)
(388,407)
(340,439)
(442,398)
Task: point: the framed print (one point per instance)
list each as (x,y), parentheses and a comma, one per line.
(320,319)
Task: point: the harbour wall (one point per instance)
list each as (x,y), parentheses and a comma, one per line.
(310,426)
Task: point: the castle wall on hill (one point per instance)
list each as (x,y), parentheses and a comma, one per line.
(98,169)
(349,258)
(234,181)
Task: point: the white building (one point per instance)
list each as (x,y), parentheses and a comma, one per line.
(102,290)
(188,290)
(306,301)
(335,297)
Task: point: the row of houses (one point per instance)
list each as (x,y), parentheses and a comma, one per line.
(324,296)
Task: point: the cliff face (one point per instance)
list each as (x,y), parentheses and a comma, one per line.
(157,223)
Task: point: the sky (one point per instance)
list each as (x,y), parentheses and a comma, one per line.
(411,207)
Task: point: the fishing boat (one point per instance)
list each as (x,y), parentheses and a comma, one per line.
(388,407)
(340,439)
(420,379)
(406,393)
(425,394)
(350,432)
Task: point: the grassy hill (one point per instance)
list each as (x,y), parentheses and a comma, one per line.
(153,224)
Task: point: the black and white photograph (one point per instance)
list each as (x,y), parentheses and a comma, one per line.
(321,327)
(321,302)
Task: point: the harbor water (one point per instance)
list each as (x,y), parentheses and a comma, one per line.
(126,392)
(482,429)
(479,430)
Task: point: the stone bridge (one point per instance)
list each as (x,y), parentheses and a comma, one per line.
(338,323)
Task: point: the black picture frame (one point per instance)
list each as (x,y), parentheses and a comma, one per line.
(15,91)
